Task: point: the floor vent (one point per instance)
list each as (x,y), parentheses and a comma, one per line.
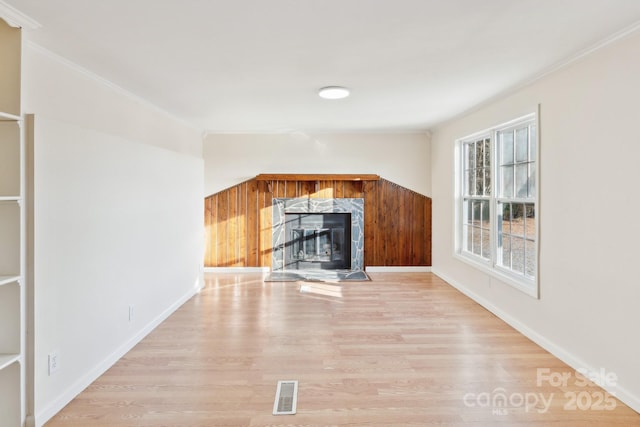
(286,398)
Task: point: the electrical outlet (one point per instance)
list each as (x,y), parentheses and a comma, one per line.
(130,313)
(54,363)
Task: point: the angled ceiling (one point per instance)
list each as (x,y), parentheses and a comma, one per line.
(256,65)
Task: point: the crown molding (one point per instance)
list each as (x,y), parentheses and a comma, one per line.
(17,19)
(106,83)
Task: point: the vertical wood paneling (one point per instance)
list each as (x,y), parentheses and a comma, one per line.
(223,205)
(242,226)
(253,225)
(266,215)
(208,234)
(397,221)
(232,227)
(370,221)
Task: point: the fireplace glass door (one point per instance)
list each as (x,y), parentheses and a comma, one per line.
(318,241)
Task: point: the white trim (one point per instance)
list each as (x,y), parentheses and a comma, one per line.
(17,19)
(558,351)
(70,393)
(490,266)
(238,270)
(407,269)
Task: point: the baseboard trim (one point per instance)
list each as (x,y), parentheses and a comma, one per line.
(40,418)
(237,270)
(407,269)
(567,357)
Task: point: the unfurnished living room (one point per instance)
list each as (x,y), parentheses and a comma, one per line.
(319,213)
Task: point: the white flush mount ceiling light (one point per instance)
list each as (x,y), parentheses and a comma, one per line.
(333,92)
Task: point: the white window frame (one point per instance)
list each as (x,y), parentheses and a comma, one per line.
(529,285)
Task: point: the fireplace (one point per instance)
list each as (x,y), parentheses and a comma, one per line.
(312,234)
(317,241)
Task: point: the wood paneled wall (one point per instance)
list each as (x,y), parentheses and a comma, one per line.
(238,221)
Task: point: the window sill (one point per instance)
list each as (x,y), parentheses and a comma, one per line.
(529,287)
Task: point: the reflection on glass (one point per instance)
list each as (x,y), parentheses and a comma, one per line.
(506,141)
(507,181)
(471,155)
(487,153)
(517,254)
(296,244)
(486,244)
(337,241)
(522,181)
(530,222)
(506,251)
(533,143)
(522,146)
(506,152)
(530,261)
(532,180)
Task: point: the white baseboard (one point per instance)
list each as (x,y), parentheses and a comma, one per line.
(238,270)
(68,395)
(408,269)
(619,391)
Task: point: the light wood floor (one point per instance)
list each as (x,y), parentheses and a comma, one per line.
(402,350)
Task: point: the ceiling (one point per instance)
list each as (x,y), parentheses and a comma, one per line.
(256,65)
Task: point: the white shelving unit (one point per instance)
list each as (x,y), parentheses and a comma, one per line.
(12,232)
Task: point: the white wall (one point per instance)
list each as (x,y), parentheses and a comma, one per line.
(117,220)
(401,158)
(587,313)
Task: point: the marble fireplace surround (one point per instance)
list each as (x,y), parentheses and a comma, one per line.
(308,205)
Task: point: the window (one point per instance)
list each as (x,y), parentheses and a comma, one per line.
(497,209)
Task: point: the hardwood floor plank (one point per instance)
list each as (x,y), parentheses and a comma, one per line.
(405,349)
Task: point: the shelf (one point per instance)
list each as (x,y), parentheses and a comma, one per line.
(10,320)
(8,359)
(10,229)
(316,177)
(9,117)
(10,152)
(5,280)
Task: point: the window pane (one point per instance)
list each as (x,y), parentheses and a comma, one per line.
(517,254)
(479,154)
(530,221)
(530,259)
(506,251)
(504,208)
(506,147)
(506,142)
(517,219)
(476,241)
(522,181)
(479,174)
(522,146)
(487,181)
(470,155)
(486,244)
(467,183)
(532,180)
(533,138)
(476,209)
(487,152)
(507,181)
(468,238)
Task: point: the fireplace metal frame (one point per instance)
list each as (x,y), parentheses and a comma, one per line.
(282,206)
